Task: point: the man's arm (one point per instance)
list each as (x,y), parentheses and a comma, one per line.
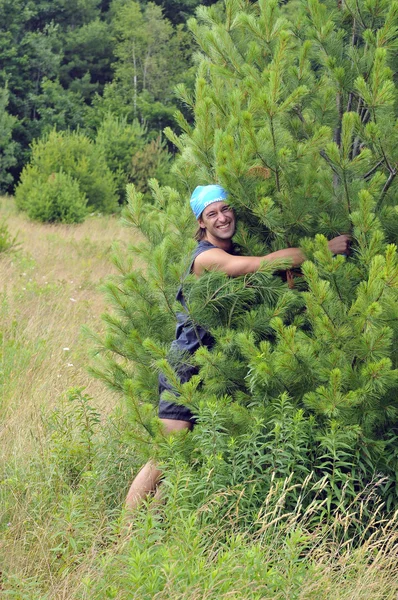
(217,259)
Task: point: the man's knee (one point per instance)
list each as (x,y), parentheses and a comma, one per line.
(171,425)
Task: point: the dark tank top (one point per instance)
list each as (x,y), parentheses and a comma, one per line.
(189,336)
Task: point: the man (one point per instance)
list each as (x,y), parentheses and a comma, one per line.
(214,251)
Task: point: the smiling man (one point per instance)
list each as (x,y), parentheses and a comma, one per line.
(215,251)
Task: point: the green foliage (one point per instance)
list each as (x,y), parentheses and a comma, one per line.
(88,52)
(7,240)
(7,146)
(14,355)
(42,44)
(140,291)
(66,467)
(73,429)
(68,65)
(59,108)
(152,56)
(28,55)
(294,113)
(57,199)
(119,141)
(70,523)
(81,161)
(152,161)
(76,481)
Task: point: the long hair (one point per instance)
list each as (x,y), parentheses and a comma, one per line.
(200,234)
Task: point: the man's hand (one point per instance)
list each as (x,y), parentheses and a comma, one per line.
(340,244)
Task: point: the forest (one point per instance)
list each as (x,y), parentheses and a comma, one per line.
(103,69)
(112,114)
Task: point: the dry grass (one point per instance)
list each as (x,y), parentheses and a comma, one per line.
(49,289)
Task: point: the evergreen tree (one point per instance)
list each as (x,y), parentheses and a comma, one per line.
(59,108)
(119,142)
(69,64)
(295,115)
(7,146)
(88,51)
(77,157)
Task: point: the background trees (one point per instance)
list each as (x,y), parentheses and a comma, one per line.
(69,65)
(7,146)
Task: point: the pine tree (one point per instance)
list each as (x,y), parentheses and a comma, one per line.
(7,146)
(295,114)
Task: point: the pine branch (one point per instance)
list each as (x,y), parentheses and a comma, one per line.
(140,420)
(170,308)
(300,115)
(389,167)
(347,193)
(351,97)
(355,147)
(264,162)
(386,187)
(231,312)
(328,315)
(336,287)
(364,115)
(373,170)
(360,14)
(327,159)
(337,131)
(274,145)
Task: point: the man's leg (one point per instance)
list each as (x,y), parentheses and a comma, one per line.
(148,478)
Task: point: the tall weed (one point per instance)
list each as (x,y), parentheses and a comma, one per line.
(7,240)
(59,503)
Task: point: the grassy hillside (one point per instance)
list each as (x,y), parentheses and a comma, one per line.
(49,289)
(68,450)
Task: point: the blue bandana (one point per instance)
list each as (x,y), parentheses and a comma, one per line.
(203,195)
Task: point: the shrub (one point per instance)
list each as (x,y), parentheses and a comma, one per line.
(131,157)
(153,161)
(77,156)
(57,198)
(119,141)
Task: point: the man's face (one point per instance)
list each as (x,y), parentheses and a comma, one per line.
(219,220)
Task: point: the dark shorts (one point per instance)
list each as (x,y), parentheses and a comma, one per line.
(172,410)
(177,412)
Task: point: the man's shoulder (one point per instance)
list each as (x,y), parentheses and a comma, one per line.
(213,257)
(208,253)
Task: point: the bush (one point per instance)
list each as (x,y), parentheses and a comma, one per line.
(131,157)
(77,156)
(153,161)
(56,199)
(119,141)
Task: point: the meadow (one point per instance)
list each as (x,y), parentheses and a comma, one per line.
(68,449)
